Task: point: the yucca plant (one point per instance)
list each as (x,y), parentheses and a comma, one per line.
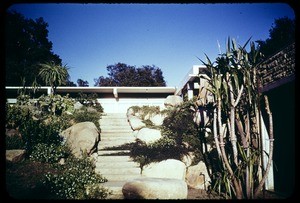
(53,74)
(237,121)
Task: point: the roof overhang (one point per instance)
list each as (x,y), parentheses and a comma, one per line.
(113,90)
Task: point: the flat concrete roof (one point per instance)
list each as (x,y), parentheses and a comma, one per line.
(169,90)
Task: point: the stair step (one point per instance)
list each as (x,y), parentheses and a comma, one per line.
(124,164)
(118,171)
(114,130)
(114,116)
(113,144)
(117,127)
(112,152)
(120,139)
(120,177)
(122,158)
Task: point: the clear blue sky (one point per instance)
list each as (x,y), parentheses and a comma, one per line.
(89,37)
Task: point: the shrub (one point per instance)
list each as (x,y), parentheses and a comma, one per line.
(162,149)
(16,115)
(14,142)
(84,115)
(90,100)
(34,132)
(74,179)
(52,153)
(179,126)
(145,110)
(55,104)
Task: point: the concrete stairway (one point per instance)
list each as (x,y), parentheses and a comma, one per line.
(113,162)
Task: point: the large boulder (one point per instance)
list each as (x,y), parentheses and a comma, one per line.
(148,135)
(82,137)
(155,188)
(157,119)
(136,123)
(170,168)
(173,101)
(15,155)
(78,105)
(197,176)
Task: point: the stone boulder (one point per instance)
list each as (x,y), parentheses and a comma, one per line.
(130,112)
(170,168)
(197,176)
(78,105)
(148,135)
(15,155)
(173,101)
(157,119)
(136,123)
(155,188)
(81,137)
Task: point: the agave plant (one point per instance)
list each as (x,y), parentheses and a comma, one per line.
(237,120)
(53,74)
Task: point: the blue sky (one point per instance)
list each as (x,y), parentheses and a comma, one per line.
(89,37)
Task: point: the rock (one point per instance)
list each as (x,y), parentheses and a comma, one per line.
(136,123)
(82,137)
(148,135)
(15,155)
(78,105)
(170,168)
(197,176)
(157,119)
(173,101)
(188,159)
(155,188)
(130,112)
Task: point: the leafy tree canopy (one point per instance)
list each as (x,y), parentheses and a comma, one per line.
(122,74)
(82,83)
(26,46)
(281,34)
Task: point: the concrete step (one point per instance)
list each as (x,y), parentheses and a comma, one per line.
(125,171)
(114,115)
(116,188)
(111,120)
(105,139)
(123,158)
(117,136)
(116,127)
(120,177)
(111,164)
(113,144)
(112,152)
(116,131)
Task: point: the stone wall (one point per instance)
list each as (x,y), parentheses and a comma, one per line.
(278,69)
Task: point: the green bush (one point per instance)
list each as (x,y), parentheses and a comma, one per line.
(90,100)
(180,126)
(74,178)
(14,142)
(144,110)
(162,149)
(84,115)
(16,115)
(52,153)
(55,104)
(34,132)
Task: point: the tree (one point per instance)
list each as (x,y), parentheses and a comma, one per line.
(236,121)
(122,74)
(26,46)
(53,75)
(281,34)
(82,83)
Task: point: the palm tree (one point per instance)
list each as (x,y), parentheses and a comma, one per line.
(53,75)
